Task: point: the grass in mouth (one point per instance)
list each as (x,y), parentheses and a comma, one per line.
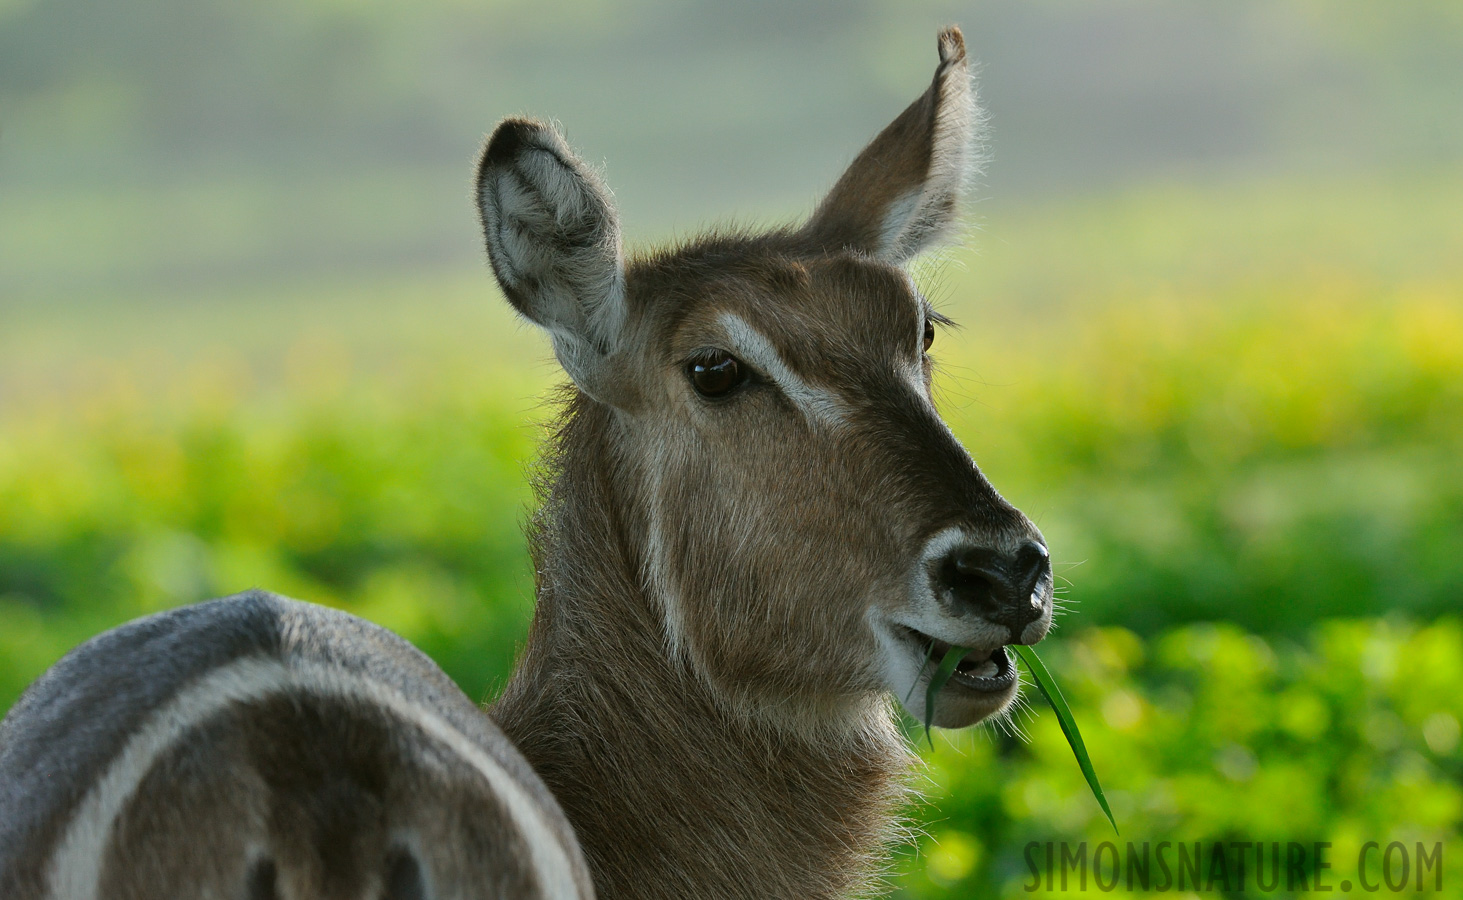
(1048,687)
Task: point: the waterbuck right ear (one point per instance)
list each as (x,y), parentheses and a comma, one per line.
(901,194)
(554,241)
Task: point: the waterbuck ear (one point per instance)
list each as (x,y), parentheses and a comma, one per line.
(554,241)
(901,194)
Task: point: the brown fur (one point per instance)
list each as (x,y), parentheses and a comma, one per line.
(672,793)
(701,689)
(766,764)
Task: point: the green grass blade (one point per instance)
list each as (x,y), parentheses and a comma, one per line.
(922,666)
(1053,695)
(952,658)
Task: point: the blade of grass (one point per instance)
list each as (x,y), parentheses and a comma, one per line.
(1053,694)
(922,666)
(948,662)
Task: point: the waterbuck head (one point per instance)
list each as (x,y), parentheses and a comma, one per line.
(804,527)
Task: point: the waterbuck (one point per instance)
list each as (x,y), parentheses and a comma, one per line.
(754,531)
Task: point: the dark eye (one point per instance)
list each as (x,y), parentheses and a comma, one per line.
(929,334)
(715,374)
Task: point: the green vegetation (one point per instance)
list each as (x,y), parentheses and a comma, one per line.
(1210,733)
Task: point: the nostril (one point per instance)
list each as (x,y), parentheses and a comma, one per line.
(1033,565)
(979,564)
(976,568)
(975,578)
(1003,588)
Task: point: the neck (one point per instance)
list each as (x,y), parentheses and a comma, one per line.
(672,791)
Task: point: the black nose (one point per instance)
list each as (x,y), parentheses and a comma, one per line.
(1005,589)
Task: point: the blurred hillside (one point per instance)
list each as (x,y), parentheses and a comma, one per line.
(164,146)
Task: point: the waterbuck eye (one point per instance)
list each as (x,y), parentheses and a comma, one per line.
(929,334)
(715,374)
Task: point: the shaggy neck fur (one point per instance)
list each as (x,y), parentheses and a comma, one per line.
(671,792)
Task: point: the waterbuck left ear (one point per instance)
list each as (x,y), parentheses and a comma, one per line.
(901,194)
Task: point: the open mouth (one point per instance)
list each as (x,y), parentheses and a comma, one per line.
(981,670)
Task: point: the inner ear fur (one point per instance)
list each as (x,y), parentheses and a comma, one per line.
(553,238)
(901,194)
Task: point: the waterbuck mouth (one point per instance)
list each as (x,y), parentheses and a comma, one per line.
(987,671)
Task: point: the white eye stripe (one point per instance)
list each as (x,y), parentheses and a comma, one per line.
(818,405)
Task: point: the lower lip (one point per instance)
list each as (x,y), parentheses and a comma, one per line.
(1001,681)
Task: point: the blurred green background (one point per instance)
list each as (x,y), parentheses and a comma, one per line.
(1212,342)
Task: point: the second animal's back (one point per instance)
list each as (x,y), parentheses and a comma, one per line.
(259,747)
